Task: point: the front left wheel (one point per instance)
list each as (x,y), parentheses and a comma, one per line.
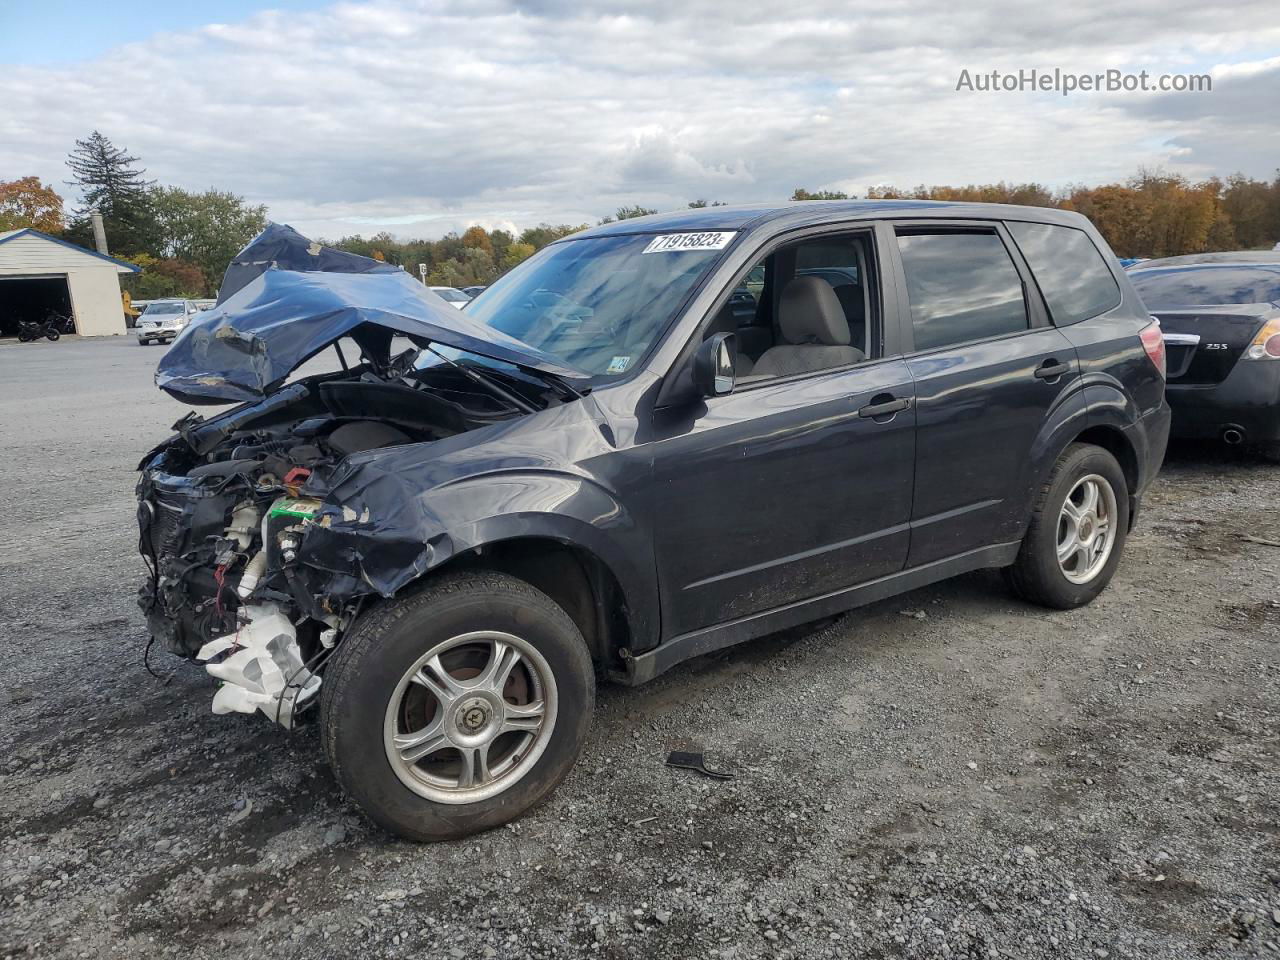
(459,707)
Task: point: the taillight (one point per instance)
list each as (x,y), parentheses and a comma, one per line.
(1266,345)
(1153,343)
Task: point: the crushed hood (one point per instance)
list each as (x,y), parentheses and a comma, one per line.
(303,298)
(284,248)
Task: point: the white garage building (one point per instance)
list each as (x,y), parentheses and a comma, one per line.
(39,273)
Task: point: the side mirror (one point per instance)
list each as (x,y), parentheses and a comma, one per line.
(713,365)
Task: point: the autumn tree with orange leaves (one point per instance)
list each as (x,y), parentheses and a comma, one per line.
(29,203)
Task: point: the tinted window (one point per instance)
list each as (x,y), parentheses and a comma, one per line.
(1207,284)
(962,287)
(1075,280)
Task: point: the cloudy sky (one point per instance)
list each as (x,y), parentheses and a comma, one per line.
(423,117)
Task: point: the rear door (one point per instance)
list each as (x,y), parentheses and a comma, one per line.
(988,368)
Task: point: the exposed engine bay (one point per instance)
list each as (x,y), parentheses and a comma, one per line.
(229,508)
(267,527)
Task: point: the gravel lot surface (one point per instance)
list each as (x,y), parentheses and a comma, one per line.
(947,774)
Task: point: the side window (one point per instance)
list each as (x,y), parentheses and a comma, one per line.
(1075,280)
(962,286)
(804,307)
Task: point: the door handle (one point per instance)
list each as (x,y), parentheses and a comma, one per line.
(884,405)
(1052,369)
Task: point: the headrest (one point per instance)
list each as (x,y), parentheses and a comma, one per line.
(810,312)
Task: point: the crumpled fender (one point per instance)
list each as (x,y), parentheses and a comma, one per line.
(390,517)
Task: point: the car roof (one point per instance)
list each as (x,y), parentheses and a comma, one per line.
(801,213)
(1237,258)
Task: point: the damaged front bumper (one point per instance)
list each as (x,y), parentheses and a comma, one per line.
(222,550)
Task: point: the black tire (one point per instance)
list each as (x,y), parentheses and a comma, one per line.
(387,641)
(53,336)
(1036,575)
(24,338)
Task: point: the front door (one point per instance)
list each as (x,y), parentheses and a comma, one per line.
(797,484)
(781,493)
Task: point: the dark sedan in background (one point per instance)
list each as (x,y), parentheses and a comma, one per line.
(1220,314)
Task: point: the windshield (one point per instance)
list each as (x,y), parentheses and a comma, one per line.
(1205,285)
(154,309)
(599,303)
(448,293)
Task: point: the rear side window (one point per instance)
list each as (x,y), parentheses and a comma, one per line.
(1075,280)
(962,287)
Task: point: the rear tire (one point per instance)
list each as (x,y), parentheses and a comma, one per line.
(1071,549)
(53,336)
(418,737)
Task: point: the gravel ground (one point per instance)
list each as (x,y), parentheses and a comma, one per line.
(947,774)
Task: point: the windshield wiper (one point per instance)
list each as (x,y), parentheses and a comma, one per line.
(476,376)
(567,390)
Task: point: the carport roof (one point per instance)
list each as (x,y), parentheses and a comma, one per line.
(8,235)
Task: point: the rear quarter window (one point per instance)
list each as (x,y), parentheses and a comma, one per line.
(1073,276)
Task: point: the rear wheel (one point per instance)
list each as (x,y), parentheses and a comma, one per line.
(459,707)
(1077,531)
(53,335)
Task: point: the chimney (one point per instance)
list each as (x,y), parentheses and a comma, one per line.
(99,232)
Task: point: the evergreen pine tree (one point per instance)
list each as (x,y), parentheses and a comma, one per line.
(111,183)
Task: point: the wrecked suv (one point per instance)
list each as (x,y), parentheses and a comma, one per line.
(649,441)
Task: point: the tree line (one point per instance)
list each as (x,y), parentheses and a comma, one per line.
(1152,214)
(184,240)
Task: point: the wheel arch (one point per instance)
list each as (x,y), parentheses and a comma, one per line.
(573,576)
(1114,441)
(1081,420)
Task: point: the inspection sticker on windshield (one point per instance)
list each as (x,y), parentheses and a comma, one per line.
(681,242)
(618,364)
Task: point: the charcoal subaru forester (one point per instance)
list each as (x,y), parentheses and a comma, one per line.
(649,441)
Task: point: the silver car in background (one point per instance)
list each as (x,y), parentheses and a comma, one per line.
(163,320)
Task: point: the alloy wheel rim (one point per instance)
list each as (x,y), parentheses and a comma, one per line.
(1086,529)
(470,717)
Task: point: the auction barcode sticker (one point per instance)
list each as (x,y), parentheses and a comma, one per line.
(680,242)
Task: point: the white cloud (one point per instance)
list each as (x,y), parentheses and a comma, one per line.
(424,117)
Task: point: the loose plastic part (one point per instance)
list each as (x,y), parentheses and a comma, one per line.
(253,572)
(262,669)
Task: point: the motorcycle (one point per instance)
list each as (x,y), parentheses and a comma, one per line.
(52,326)
(29,330)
